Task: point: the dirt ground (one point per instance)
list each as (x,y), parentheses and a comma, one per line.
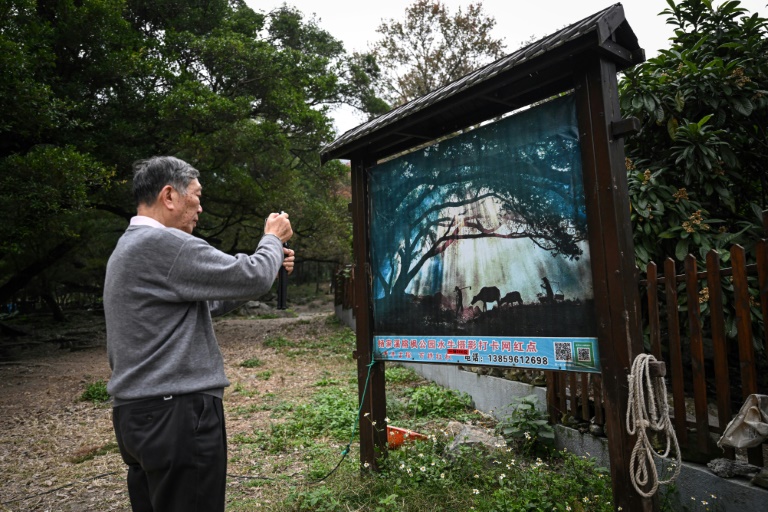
(58,453)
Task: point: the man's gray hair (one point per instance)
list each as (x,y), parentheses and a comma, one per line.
(152,174)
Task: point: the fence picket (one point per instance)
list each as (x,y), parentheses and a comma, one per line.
(719,344)
(653,310)
(597,392)
(744,326)
(697,354)
(563,393)
(574,404)
(675,352)
(551,395)
(762,279)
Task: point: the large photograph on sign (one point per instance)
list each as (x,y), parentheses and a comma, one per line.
(485,234)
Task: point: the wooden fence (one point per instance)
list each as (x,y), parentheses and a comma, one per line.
(709,375)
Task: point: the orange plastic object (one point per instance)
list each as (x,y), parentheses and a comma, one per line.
(397,436)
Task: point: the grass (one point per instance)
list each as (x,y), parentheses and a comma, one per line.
(339,343)
(308,458)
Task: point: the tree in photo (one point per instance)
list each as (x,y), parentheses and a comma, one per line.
(480,208)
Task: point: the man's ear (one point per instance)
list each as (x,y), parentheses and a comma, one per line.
(166,197)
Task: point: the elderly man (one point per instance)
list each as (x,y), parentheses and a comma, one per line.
(162,286)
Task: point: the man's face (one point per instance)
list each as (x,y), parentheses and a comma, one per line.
(188,207)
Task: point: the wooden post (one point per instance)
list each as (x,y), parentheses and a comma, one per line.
(371,391)
(612,258)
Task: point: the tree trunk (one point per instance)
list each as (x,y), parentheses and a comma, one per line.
(24,276)
(53,305)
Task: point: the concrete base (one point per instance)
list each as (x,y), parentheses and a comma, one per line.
(345,316)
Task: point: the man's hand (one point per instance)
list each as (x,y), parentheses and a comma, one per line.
(288,259)
(278,224)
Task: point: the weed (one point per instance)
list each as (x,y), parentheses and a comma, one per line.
(330,412)
(527,427)
(253,362)
(419,477)
(241,438)
(432,400)
(265,375)
(284,407)
(341,342)
(95,392)
(333,320)
(277,342)
(318,499)
(326,381)
(400,375)
(242,390)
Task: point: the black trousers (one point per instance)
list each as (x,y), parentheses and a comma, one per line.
(176,452)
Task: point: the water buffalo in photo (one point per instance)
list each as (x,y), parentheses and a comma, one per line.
(487,294)
(511,298)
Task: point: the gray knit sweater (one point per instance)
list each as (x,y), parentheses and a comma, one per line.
(161,288)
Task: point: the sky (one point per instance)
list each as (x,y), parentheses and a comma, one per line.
(354,22)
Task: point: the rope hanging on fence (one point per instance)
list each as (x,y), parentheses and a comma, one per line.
(648,411)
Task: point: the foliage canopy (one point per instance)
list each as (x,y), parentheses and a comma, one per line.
(697,171)
(89,86)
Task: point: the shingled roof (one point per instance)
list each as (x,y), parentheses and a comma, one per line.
(530,74)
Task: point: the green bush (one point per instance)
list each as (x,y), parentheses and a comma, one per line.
(95,392)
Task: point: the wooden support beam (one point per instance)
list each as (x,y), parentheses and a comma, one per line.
(370,382)
(625,127)
(617,300)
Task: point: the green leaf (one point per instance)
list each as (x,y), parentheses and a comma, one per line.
(681,250)
(641,253)
(649,103)
(704,120)
(679,100)
(672,127)
(742,105)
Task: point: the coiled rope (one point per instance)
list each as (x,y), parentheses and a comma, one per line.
(648,408)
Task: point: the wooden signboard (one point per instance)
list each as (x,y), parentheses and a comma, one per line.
(432,220)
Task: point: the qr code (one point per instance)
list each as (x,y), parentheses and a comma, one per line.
(584,354)
(563,351)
